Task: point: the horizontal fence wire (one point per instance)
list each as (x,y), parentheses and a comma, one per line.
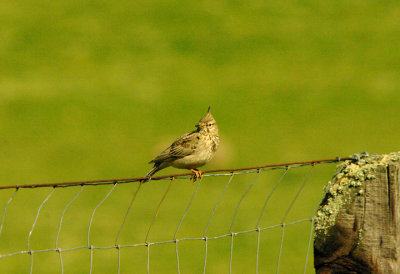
(174,241)
(232,173)
(219,172)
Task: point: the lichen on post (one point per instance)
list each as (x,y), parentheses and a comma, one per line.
(357,227)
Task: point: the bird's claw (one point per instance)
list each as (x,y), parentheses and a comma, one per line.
(196,174)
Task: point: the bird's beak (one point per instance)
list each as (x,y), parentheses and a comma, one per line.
(209,109)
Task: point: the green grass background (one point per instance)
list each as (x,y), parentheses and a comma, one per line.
(95,89)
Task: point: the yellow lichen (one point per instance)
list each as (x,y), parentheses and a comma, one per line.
(347,183)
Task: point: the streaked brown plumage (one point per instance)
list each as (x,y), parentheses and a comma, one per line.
(191,150)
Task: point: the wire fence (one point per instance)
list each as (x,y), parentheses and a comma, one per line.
(212,202)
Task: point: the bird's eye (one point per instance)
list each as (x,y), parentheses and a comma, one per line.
(210,124)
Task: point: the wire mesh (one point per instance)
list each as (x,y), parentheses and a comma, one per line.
(232,232)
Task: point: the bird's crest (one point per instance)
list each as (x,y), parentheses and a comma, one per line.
(207,117)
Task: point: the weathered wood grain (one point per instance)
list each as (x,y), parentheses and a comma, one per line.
(365,234)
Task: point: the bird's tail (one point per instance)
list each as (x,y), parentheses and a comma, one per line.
(152,171)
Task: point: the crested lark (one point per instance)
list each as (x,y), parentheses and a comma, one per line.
(191,150)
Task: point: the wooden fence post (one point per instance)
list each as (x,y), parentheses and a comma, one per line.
(357,226)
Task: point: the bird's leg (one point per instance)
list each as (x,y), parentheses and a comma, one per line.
(197,174)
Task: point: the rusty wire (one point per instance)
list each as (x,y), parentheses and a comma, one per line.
(176,176)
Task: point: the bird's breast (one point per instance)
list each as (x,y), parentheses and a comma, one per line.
(204,152)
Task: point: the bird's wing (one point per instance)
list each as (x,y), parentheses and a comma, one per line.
(183,146)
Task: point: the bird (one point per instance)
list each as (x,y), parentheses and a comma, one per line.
(191,150)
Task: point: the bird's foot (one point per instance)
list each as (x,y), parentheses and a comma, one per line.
(196,174)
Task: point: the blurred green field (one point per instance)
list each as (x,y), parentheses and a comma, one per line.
(96,89)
